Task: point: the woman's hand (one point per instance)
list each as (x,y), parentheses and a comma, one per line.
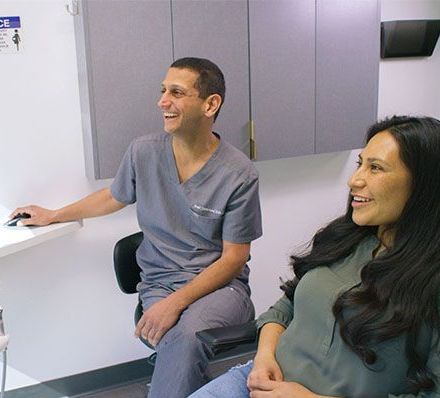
(282,389)
(265,369)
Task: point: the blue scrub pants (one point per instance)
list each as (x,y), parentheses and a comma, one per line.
(182,359)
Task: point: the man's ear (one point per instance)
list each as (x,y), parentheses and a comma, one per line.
(212,104)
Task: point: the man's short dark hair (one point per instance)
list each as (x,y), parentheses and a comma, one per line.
(210,80)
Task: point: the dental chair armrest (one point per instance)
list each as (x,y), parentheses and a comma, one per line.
(226,337)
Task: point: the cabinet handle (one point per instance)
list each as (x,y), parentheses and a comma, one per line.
(252,142)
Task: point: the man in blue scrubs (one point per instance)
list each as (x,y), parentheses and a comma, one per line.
(198,207)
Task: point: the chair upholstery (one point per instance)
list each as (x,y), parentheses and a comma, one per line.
(218,340)
(124,259)
(227,337)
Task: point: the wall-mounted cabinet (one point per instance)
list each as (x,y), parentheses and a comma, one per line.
(282,58)
(347,72)
(305,72)
(217,30)
(122,49)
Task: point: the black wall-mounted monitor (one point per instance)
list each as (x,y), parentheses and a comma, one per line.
(409,38)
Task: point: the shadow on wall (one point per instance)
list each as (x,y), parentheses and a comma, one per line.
(298,173)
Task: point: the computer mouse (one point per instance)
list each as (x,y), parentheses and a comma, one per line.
(13,221)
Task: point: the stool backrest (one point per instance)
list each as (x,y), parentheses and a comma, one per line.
(124,259)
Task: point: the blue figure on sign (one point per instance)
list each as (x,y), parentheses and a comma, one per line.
(16,39)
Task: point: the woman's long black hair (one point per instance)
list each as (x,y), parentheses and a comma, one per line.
(405,279)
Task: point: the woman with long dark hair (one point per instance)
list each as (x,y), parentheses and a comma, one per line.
(361,318)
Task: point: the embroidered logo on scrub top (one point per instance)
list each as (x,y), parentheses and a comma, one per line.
(199,209)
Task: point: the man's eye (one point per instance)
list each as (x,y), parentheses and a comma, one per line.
(375,167)
(162,90)
(358,163)
(177,93)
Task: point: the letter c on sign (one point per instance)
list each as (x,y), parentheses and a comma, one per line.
(4,23)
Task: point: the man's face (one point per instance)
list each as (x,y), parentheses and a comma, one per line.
(181,106)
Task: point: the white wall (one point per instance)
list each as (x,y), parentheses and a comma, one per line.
(410,86)
(62,306)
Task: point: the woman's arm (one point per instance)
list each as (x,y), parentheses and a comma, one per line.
(266,377)
(269,335)
(271,324)
(265,365)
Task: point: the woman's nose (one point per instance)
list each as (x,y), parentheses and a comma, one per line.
(356,179)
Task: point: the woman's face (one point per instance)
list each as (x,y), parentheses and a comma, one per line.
(381,185)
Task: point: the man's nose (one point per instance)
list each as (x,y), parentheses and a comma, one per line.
(164,100)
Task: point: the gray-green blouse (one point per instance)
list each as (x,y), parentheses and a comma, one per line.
(312,353)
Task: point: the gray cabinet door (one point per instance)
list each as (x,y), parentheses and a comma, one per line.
(282,59)
(305,72)
(124,49)
(217,30)
(347,72)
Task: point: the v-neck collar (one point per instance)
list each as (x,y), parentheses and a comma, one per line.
(199,175)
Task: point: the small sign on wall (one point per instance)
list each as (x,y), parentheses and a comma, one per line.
(11,40)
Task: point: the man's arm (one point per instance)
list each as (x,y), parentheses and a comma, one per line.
(163,315)
(96,204)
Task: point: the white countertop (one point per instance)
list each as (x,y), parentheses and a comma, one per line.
(14,239)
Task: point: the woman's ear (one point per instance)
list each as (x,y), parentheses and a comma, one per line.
(212,104)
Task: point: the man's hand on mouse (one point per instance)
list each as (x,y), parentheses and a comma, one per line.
(39,215)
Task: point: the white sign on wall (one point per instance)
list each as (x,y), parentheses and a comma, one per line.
(10,35)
